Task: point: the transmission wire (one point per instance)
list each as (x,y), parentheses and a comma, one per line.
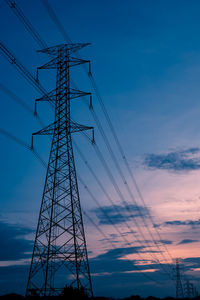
(102,132)
(114,247)
(24,105)
(110,219)
(15,98)
(31,79)
(62,30)
(24,72)
(110,200)
(25,145)
(42,44)
(18,12)
(125,204)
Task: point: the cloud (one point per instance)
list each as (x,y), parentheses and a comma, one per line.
(187,241)
(185,160)
(176,223)
(13,244)
(166,242)
(116,274)
(111,275)
(192,223)
(191,266)
(193,261)
(111,261)
(118,214)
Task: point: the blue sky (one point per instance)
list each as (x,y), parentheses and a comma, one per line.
(145,60)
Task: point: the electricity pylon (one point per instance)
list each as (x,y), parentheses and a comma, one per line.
(60,253)
(189,289)
(179,287)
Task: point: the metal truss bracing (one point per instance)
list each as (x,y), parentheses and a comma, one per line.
(179,287)
(60,253)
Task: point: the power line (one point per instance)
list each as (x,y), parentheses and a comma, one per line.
(108,218)
(29,27)
(26,146)
(12,59)
(41,43)
(23,104)
(28,76)
(66,37)
(23,71)
(125,204)
(114,247)
(121,174)
(15,98)
(62,30)
(119,146)
(102,132)
(21,68)
(56,20)
(23,144)
(108,197)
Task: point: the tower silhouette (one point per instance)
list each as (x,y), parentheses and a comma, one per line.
(60,253)
(179,287)
(189,289)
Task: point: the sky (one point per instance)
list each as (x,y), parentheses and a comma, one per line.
(146,63)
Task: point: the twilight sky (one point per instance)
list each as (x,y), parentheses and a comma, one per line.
(146,62)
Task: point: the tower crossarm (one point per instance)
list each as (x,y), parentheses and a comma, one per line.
(74,127)
(70,48)
(73,61)
(51,96)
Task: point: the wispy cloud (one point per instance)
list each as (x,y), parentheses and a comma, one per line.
(166,242)
(13,244)
(187,241)
(192,223)
(182,160)
(118,214)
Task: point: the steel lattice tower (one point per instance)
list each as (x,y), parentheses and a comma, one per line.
(179,287)
(189,289)
(60,253)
